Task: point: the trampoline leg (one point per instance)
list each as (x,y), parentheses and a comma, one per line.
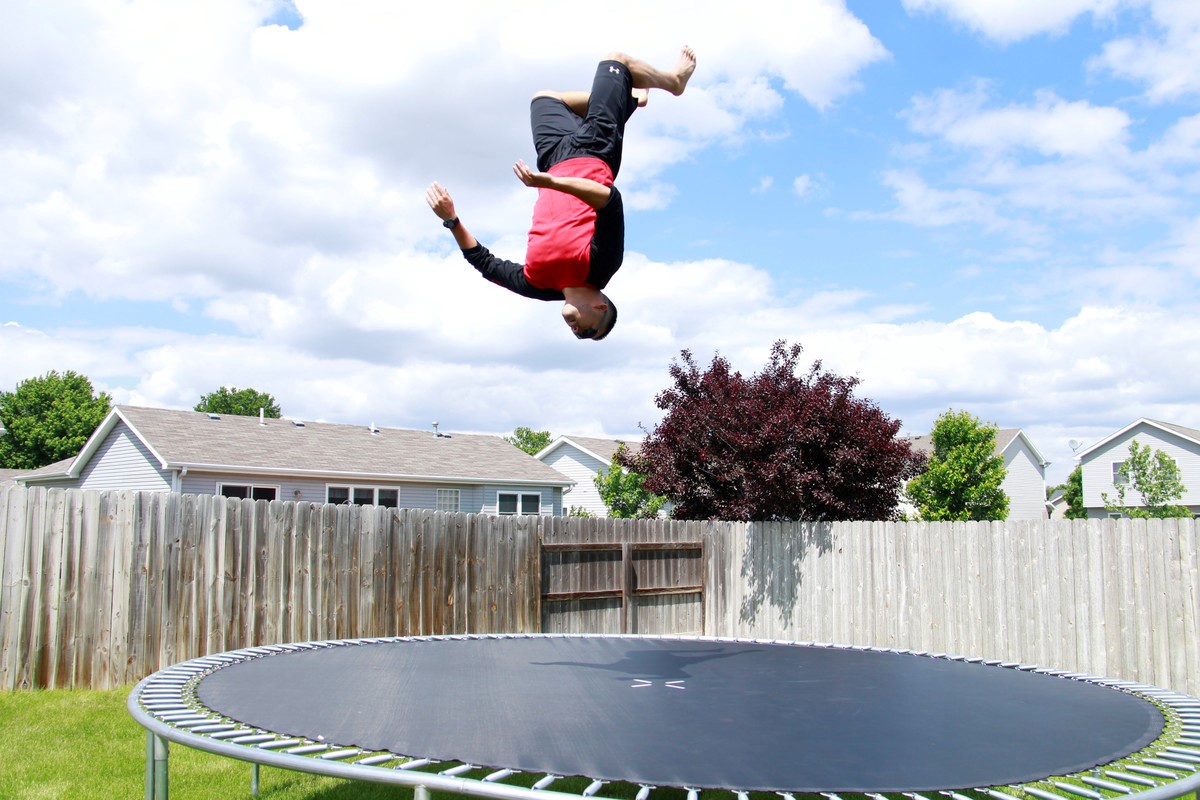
(156,767)
(254,780)
(420,793)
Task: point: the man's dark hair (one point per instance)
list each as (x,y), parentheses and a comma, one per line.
(609,322)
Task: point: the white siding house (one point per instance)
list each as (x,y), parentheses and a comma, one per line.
(1099,462)
(581,458)
(1025,473)
(154,449)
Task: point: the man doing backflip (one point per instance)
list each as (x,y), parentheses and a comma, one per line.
(577,239)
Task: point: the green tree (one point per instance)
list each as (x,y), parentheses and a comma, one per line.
(1155,476)
(529,440)
(239,403)
(48,419)
(1073,494)
(962,481)
(621,490)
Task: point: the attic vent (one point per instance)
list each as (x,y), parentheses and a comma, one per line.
(438,434)
(374,428)
(299,423)
(214,416)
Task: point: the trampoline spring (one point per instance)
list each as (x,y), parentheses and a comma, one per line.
(1079,791)
(499,775)
(1187,754)
(1167,763)
(374,761)
(416,763)
(304,750)
(1042,793)
(341,755)
(545,781)
(1151,771)
(254,738)
(1100,783)
(459,770)
(279,743)
(956,796)
(999,795)
(235,732)
(1129,779)
(593,787)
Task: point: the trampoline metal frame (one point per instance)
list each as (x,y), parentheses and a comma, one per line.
(165,704)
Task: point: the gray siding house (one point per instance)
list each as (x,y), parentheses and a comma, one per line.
(1100,463)
(154,449)
(581,458)
(1025,473)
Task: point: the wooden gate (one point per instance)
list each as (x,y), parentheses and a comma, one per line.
(623,587)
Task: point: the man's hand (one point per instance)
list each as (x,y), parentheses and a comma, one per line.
(440,201)
(589,191)
(536,180)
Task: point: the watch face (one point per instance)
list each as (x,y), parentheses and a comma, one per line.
(450,223)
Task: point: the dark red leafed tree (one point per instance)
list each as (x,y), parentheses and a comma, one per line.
(773,446)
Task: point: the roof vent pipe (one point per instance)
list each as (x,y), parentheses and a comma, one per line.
(262,416)
(373,428)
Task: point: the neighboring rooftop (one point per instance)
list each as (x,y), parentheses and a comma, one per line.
(228,443)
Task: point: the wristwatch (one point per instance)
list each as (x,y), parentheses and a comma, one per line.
(451,223)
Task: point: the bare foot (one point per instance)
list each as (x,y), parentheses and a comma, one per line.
(684,68)
(642,96)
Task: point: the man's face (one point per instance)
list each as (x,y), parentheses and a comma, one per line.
(582,320)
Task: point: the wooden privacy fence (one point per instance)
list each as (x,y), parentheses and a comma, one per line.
(100,589)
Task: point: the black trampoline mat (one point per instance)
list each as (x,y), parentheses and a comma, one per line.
(701,714)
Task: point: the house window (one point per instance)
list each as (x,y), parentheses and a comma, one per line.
(1118,478)
(518,503)
(448,499)
(363,496)
(248,490)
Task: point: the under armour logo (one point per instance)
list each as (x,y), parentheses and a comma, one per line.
(614,69)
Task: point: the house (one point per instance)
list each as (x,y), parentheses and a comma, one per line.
(154,449)
(1025,472)
(581,458)
(1099,463)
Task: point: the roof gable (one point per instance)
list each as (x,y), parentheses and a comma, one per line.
(1005,437)
(1191,434)
(599,449)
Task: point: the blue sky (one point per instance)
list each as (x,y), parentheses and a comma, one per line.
(967,204)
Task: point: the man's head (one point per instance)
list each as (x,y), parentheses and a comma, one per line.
(591,316)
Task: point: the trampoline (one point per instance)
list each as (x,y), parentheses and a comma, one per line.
(553,716)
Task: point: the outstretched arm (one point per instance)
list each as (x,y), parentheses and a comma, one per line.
(594,193)
(443,205)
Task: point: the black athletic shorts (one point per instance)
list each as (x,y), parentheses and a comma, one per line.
(559,133)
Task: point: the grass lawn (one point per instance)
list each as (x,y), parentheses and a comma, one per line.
(62,745)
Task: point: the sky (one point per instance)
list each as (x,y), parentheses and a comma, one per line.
(991,207)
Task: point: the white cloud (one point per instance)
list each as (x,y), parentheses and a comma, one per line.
(1049,126)
(1167,63)
(1012,20)
(802,185)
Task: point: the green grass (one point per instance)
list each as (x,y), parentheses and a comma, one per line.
(61,745)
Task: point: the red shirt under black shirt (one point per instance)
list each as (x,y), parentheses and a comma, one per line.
(570,243)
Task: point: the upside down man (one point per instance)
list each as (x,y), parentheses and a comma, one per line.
(577,238)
